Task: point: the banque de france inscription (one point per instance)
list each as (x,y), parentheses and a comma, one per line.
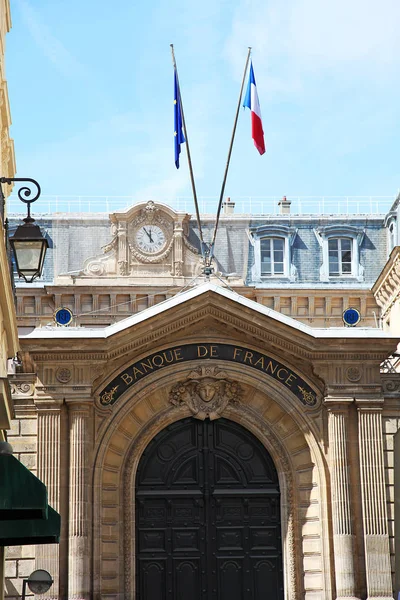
(156,361)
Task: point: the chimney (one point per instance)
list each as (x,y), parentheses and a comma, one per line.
(229,206)
(284,206)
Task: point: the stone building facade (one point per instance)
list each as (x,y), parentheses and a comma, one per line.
(8,324)
(223,438)
(95,268)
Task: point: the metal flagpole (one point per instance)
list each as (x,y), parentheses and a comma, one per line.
(211,248)
(203,245)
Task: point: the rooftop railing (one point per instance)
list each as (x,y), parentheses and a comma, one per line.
(244,205)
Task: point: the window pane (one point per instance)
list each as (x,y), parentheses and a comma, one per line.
(272,256)
(278,244)
(339,251)
(265,246)
(346,268)
(346,257)
(265,257)
(266,268)
(346,244)
(333,265)
(333,245)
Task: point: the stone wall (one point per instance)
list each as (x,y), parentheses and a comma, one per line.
(20,560)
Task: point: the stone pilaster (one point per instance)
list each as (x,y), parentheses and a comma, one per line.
(79,502)
(178,250)
(342,518)
(48,471)
(373,495)
(122,256)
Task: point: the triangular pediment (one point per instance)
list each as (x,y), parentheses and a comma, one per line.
(208,311)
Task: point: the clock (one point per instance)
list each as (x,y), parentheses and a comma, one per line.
(150,239)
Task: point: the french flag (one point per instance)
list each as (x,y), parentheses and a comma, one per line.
(251,101)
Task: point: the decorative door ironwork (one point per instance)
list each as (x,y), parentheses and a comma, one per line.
(207,516)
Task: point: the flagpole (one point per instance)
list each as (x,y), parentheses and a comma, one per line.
(211,248)
(189,157)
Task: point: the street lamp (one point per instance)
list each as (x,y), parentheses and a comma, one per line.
(28,244)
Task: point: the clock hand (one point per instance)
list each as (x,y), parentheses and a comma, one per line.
(148,234)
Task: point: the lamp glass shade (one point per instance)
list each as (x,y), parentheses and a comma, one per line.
(29,249)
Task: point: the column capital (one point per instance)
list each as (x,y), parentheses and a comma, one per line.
(370,403)
(75,404)
(337,403)
(48,404)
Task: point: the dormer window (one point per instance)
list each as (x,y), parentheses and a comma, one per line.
(272,255)
(340,262)
(272,252)
(340,246)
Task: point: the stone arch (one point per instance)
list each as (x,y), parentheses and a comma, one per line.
(286,431)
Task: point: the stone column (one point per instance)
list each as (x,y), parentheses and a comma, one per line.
(342,518)
(373,496)
(48,471)
(79,502)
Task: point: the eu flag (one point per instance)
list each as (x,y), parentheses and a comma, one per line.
(179,138)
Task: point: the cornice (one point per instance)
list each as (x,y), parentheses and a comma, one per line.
(63,355)
(294,343)
(393,257)
(386,289)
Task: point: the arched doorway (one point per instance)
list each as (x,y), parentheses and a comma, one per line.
(207,515)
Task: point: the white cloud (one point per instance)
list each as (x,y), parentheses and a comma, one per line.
(345,31)
(294,38)
(50,45)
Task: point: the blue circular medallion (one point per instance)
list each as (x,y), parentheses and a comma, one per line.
(351,317)
(63,316)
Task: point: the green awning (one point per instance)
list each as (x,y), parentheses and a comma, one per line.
(31,531)
(22,495)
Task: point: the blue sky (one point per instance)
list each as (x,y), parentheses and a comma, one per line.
(91,91)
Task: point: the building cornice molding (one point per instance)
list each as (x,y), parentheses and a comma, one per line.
(386,289)
(280,338)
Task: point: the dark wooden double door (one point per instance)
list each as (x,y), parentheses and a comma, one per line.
(207,516)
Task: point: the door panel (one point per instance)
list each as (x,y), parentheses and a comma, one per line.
(208,516)
(230,579)
(187,579)
(152,579)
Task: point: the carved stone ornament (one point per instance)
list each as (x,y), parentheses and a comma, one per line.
(22,389)
(94,268)
(206,392)
(151,215)
(353,374)
(63,375)
(123,267)
(391,385)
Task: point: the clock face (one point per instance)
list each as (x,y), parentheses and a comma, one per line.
(150,238)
